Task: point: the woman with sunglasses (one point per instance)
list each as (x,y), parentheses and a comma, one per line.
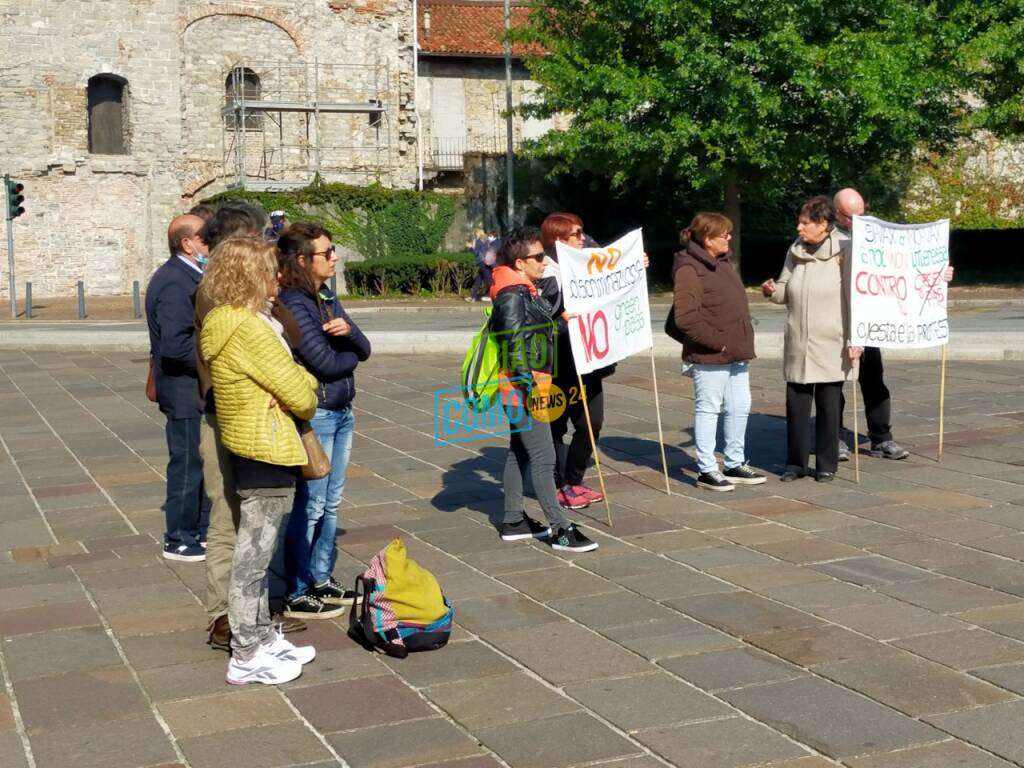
(521,324)
(571,460)
(331,348)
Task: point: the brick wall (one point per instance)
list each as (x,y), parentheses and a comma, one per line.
(103,219)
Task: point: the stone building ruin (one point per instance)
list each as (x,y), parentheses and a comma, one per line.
(119,114)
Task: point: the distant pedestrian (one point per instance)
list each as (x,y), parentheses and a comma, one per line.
(522,321)
(484,249)
(817,358)
(259,391)
(172,345)
(332,347)
(710,308)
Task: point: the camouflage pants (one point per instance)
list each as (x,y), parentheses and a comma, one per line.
(263,513)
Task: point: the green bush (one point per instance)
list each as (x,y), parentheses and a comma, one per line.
(375,221)
(438,274)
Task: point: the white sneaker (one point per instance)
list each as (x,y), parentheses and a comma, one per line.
(264,668)
(285,650)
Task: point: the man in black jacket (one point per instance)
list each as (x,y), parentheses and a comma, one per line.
(173,350)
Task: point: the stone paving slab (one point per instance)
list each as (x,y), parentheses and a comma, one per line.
(709,630)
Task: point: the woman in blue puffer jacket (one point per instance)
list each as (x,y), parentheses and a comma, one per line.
(331,348)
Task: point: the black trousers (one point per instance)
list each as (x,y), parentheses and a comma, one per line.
(826,398)
(877,405)
(572,460)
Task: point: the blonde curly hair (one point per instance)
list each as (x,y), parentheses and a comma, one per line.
(237,273)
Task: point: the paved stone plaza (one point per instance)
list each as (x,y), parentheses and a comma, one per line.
(878,625)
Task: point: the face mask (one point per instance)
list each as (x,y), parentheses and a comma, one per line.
(201,260)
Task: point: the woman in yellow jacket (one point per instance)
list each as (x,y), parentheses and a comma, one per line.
(258,391)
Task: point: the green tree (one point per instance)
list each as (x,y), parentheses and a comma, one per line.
(734,100)
(993,56)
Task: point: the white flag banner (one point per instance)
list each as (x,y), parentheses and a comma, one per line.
(607,289)
(897,294)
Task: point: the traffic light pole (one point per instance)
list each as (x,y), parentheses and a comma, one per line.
(10,263)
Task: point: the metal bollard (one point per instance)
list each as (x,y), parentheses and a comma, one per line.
(334,284)
(136,303)
(28,301)
(81,300)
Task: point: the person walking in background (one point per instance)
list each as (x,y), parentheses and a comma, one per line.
(521,315)
(710,307)
(484,250)
(332,347)
(231,219)
(817,357)
(172,349)
(258,390)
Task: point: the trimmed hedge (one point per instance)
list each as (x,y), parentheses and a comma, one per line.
(375,221)
(437,273)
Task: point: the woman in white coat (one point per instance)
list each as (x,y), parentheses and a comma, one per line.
(815,287)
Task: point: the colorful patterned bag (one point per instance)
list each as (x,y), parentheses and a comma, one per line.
(399,607)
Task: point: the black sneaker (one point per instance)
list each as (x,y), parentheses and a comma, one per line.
(571,540)
(713,481)
(311,607)
(333,593)
(527,528)
(744,475)
(184,553)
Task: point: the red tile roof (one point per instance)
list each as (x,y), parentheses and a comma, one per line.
(470,28)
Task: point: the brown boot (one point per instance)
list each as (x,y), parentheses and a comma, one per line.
(220,635)
(288,625)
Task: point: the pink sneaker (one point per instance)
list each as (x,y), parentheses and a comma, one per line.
(569,499)
(588,493)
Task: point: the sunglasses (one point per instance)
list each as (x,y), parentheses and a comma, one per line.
(576,233)
(326,254)
(536,256)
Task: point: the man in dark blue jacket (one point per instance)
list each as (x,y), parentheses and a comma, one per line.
(169,314)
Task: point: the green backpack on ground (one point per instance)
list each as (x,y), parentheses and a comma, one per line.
(481,369)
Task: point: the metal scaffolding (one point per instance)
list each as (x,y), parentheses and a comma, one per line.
(286,123)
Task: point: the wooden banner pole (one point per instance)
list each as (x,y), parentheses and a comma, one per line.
(593,445)
(657,410)
(942,400)
(856,437)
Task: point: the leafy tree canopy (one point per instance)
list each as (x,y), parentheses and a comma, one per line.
(744,98)
(993,57)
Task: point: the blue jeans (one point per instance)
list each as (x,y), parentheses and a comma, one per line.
(720,389)
(186,508)
(310,548)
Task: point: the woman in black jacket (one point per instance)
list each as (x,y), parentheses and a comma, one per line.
(521,324)
(331,348)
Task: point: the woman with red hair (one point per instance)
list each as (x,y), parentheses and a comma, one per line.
(572,460)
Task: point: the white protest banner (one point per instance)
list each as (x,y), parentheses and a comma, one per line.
(607,289)
(897,294)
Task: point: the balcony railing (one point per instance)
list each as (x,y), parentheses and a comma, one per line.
(447,153)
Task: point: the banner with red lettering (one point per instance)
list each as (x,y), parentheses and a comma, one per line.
(897,294)
(607,289)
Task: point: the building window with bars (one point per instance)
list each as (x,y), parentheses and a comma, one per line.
(242,84)
(107,98)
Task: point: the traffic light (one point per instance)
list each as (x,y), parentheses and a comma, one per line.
(13,190)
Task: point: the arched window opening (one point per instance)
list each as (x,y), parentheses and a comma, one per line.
(108,115)
(242,84)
